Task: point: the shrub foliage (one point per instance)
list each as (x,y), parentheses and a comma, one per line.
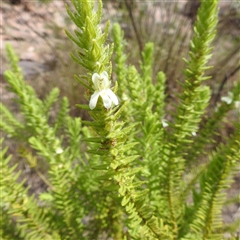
(127,173)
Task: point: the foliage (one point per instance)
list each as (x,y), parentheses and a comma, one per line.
(127,173)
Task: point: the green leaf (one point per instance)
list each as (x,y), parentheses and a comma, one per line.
(125,200)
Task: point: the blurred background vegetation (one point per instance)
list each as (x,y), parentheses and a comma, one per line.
(36,31)
(40,26)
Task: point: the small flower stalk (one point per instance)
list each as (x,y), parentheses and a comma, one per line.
(101,86)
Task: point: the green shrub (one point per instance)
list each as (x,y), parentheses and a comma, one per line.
(128,173)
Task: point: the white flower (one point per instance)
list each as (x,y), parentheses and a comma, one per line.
(102,88)
(164,123)
(59,150)
(194,134)
(228,99)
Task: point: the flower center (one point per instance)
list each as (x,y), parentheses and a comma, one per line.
(100,84)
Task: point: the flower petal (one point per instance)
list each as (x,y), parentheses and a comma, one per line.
(164,123)
(113,97)
(106,82)
(107,102)
(104,75)
(94,99)
(95,79)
